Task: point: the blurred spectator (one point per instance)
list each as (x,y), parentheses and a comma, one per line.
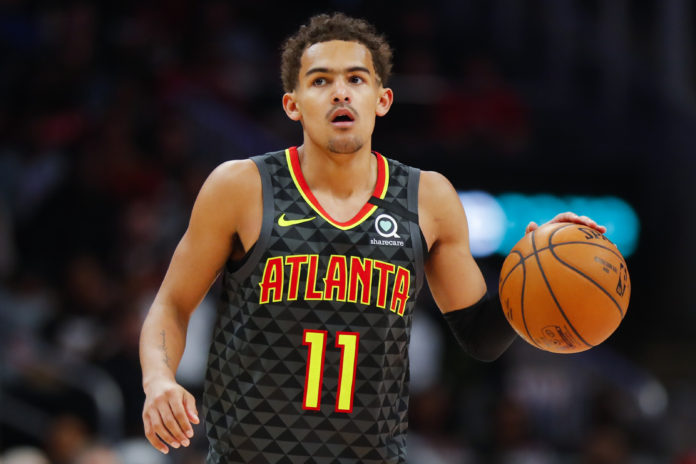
(687,458)
(7,247)
(27,302)
(431,437)
(98,454)
(606,445)
(68,436)
(139,451)
(425,352)
(24,455)
(514,440)
(482,112)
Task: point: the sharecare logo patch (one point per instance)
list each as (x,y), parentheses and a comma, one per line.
(386,226)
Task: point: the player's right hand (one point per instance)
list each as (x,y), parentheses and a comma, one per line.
(167,415)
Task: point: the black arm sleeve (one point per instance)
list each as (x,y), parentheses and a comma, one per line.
(482,329)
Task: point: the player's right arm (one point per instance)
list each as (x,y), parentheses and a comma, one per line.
(225,219)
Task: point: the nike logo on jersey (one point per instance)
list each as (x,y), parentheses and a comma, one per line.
(282,222)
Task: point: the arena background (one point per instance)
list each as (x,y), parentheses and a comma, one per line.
(113,113)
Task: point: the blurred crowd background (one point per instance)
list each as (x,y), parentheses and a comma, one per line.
(112,114)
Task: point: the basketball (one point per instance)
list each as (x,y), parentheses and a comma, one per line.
(564,287)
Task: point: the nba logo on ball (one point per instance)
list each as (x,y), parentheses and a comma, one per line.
(386,226)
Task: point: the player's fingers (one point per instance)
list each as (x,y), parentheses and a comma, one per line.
(596,226)
(161,426)
(170,418)
(190,406)
(183,427)
(591,223)
(530,227)
(568,216)
(152,437)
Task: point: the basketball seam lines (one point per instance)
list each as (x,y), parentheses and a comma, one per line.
(524,280)
(524,319)
(548,286)
(524,258)
(551,248)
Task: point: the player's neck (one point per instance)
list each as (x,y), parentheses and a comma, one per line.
(340,174)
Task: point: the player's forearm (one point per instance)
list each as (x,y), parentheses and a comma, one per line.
(162,342)
(482,329)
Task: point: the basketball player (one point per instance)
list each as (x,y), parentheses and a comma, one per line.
(322,248)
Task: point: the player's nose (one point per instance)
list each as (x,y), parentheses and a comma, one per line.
(341,93)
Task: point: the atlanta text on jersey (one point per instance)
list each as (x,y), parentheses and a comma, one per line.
(346,278)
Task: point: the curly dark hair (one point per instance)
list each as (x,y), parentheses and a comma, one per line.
(338,26)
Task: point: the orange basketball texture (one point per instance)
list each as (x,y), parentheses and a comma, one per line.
(564,288)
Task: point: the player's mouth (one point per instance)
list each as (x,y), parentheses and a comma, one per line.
(342,117)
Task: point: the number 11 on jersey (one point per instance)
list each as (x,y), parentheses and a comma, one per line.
(315,340)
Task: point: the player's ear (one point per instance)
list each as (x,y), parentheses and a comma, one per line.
(290,106)
(385,100)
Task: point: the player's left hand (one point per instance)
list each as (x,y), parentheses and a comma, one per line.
(569,217)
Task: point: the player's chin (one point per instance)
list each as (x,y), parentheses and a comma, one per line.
(345,144)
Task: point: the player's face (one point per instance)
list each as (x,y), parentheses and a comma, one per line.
(337,96)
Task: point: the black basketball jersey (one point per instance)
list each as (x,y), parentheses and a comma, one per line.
(309,358)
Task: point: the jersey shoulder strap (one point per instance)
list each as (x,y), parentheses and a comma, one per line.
(262,164)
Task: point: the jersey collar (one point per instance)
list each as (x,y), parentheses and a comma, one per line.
(380,191)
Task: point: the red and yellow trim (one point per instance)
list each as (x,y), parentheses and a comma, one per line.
(380,191)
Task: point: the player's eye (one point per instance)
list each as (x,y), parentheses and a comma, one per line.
(319,81)
(355,80)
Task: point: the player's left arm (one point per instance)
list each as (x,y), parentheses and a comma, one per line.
(455,280)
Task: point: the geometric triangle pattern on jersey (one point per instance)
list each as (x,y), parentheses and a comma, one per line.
(345,292)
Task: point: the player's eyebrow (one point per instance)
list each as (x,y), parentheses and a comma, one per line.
(333,71)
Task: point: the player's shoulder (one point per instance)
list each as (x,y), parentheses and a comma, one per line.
(230,194)
(437,197)
(235,170)
(434,188)
(234,176)
(438,207)
(231,187)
